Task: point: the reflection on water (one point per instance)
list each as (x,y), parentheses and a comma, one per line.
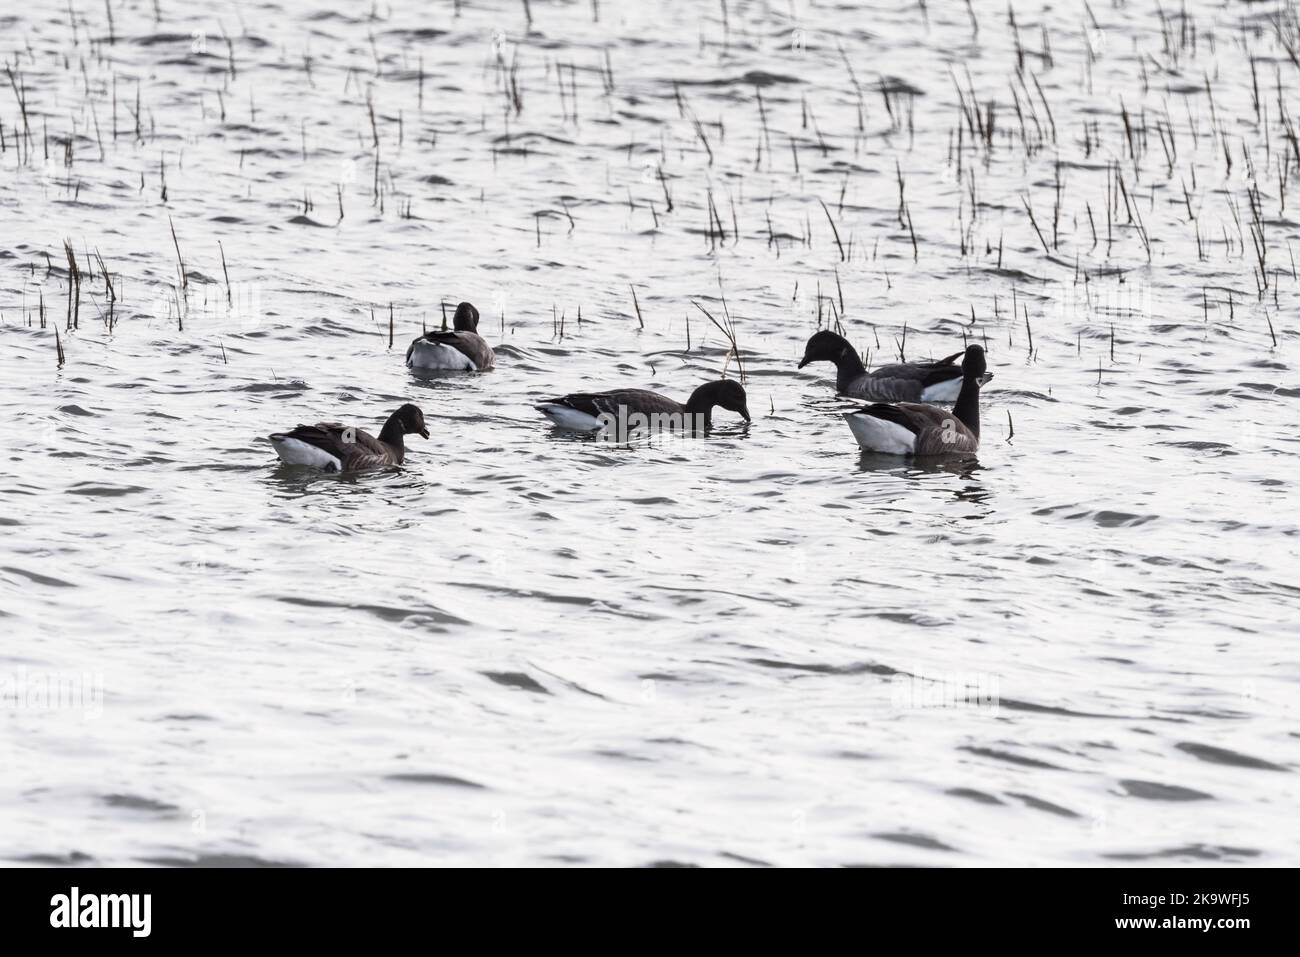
(525,646)
(962,465)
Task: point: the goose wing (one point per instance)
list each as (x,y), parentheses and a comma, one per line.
(326,436)
(904,381)
(368,451)
(475,348)
(354,448)
(608,403)
(937,430)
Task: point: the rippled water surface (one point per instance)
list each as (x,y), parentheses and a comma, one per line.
(759,647)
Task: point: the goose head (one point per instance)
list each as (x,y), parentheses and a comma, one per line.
(973,365)
(824,346)
(724,393)
(466,318)
(411,420)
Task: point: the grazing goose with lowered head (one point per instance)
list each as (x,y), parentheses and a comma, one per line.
(902,382)
(460,350)
(911,428)
(627,409)
(334,447)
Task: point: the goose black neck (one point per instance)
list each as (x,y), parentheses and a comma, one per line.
(967,407)
(394,433)
(848,366)
(698,405)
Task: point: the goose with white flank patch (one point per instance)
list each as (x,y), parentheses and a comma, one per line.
(334,447)
(461,349)
(901,382)
(625,410)
(911,428)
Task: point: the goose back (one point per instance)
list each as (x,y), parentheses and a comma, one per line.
(454,349)
(910,382)
(335,447)
(633,400)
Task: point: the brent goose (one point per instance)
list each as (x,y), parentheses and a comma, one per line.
(335,447)
(626,409)
(461,349)
(911,428)
(902,382)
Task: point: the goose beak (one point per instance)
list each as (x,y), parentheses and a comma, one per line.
(744,411)
(424,433)
(985,378)
(804,361)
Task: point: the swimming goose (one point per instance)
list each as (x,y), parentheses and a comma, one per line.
(902,382)
(627,409)
(461,349)
(334,447)
(910,428)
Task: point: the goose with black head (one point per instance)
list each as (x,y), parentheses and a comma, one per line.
(335,447)
(900,382)
(460,349)
(597,411)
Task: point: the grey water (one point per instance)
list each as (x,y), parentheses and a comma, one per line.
(759,647)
